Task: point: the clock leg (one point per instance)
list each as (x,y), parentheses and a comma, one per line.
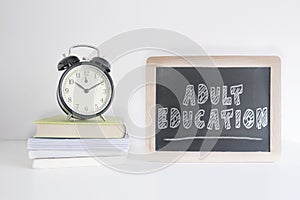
(102,118)
(69,117)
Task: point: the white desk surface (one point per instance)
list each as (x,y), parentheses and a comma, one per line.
(251,181)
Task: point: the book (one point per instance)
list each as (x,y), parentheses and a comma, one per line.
(59,142)
(76,162)
(77,144)
(60,127)
(37,154)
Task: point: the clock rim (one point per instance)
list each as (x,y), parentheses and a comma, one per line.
(63,105)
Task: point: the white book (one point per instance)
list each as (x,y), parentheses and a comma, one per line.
(76,162)
(35,154)
(77,144)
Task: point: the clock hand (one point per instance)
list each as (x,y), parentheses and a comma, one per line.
(85,90)
(94,86)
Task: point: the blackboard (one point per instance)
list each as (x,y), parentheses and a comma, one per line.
(254,99)
(226,105)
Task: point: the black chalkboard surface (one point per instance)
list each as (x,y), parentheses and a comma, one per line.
(254,98)
(228,106)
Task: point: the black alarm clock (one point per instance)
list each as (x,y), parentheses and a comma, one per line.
(85,89)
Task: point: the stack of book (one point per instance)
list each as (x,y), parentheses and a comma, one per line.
(68,143)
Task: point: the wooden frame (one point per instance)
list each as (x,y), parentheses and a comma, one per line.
(220,61)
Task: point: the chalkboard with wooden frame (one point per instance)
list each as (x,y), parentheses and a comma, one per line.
(214,108)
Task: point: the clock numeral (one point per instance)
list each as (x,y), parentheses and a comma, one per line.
(96,76)
(71,81)
(96,107)
(104,91)
(102,100)
(77,75)
(86,108)
(77,106)
(66,90)
(69,99)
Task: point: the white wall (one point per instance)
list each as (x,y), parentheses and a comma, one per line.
(34,34)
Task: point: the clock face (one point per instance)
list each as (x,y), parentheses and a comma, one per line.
(86,90)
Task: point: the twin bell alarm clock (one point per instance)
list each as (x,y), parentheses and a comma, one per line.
(85,89)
